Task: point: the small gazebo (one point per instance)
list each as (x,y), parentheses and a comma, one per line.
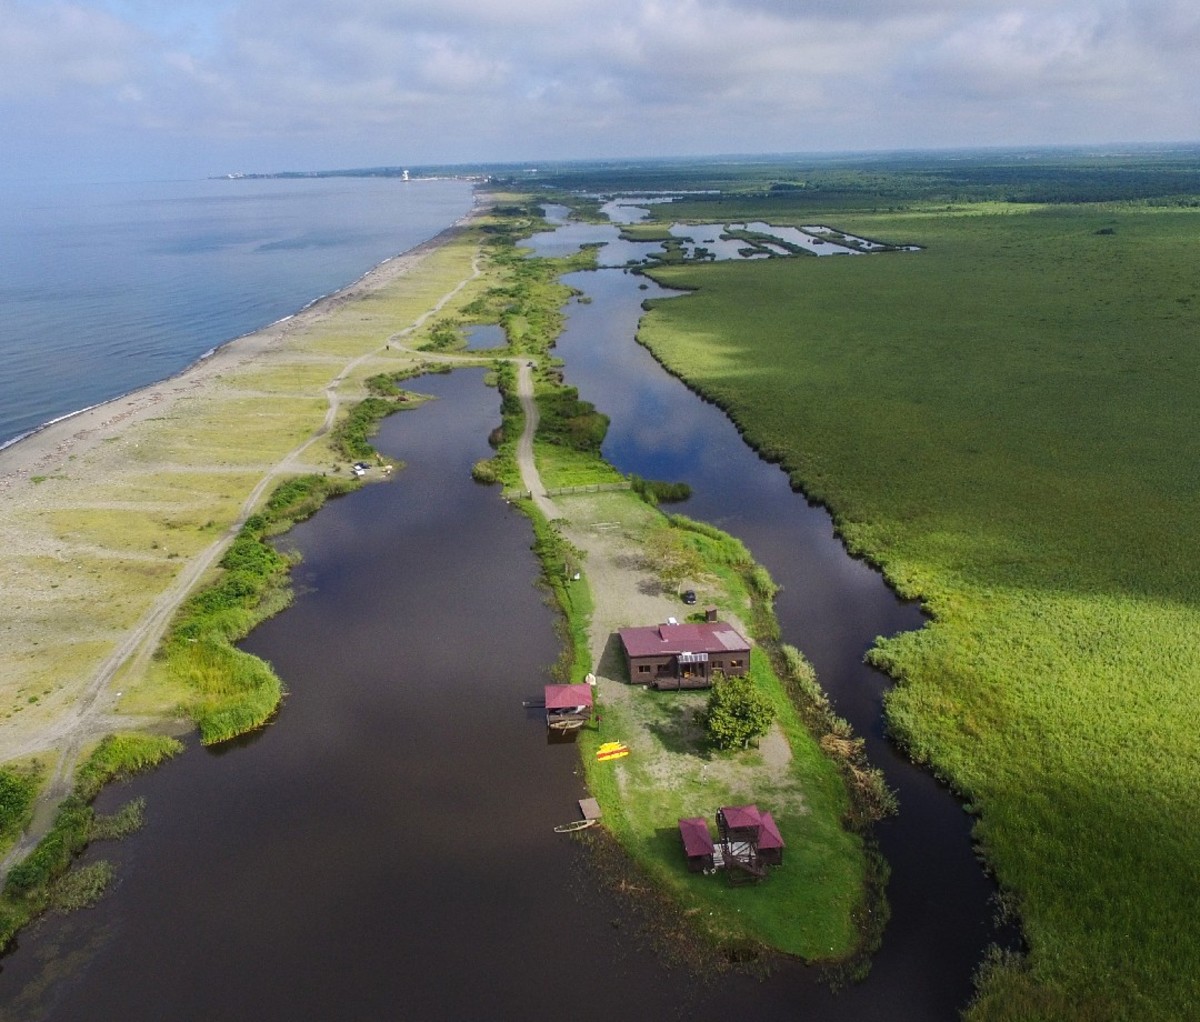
(697,843)
(770,841)
(750,841)
(568,707)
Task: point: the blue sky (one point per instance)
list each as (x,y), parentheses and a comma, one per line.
(128,89)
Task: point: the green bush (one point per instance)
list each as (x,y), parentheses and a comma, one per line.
(655,492)
(736,714)
(17,793)
(570,422)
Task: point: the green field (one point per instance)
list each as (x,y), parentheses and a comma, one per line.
(1007,421)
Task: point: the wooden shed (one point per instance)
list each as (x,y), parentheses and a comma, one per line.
(770,841)
(568,707)
(697,843)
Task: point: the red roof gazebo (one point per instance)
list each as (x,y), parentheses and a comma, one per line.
(568,706)
(697,843)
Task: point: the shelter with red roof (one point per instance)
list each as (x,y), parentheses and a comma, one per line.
(697,843)
(750,841)
(568,707)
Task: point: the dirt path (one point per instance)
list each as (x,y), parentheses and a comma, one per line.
(526,462)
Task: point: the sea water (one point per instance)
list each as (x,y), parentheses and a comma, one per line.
(108,287)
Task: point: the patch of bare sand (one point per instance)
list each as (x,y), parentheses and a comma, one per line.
(625,593)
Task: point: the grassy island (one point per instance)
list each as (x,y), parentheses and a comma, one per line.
(826,904)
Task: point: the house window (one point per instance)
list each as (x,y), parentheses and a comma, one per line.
(736,664)
(643,668)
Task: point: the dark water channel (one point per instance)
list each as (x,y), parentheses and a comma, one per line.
(385,849)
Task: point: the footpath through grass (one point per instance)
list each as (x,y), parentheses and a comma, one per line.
(1007,422)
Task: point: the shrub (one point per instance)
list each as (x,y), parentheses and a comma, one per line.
(736,714)
(17,792)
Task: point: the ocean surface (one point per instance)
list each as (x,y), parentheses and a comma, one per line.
(106,288)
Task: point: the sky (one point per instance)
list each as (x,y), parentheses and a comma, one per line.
(144,89)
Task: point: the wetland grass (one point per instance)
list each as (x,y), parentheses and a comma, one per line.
(1006,423)
(42,880)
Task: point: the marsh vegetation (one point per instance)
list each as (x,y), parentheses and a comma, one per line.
(1004,423)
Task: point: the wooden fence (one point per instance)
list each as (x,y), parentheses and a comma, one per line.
(562,491)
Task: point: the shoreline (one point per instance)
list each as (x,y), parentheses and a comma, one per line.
(36,447)
(112,514)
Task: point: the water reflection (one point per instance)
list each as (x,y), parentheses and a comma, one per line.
(486,337)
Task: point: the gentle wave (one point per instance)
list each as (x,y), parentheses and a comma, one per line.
(111,288)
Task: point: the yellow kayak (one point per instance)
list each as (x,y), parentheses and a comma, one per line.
(612,750)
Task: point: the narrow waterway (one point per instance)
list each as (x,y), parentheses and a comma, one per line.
(385,849)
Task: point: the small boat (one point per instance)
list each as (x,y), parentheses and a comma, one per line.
(566,724)
(612,750)
(568,828)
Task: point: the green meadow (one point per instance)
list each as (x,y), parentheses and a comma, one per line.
(1007,422)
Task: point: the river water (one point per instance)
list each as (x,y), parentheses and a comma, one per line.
(385,849)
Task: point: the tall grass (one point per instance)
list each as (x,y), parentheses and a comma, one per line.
(1006,422)
(233,692)
(18,790)
(36,884)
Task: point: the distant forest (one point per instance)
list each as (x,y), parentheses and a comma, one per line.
(1142,174)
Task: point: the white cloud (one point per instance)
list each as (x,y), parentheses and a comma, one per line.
(472,79)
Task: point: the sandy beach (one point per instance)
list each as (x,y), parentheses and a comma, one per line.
(111,516)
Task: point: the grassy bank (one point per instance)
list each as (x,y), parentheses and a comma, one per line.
(1006,422)
(94,539)
(42,880)
(230,691)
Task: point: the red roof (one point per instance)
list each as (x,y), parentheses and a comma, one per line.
(670,640)
(742,817)
(567,697)
(696,838)
(768,832)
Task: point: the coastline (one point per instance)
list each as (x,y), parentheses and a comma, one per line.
(38,446)
(112,514)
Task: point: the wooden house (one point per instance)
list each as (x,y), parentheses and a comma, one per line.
(675,656)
